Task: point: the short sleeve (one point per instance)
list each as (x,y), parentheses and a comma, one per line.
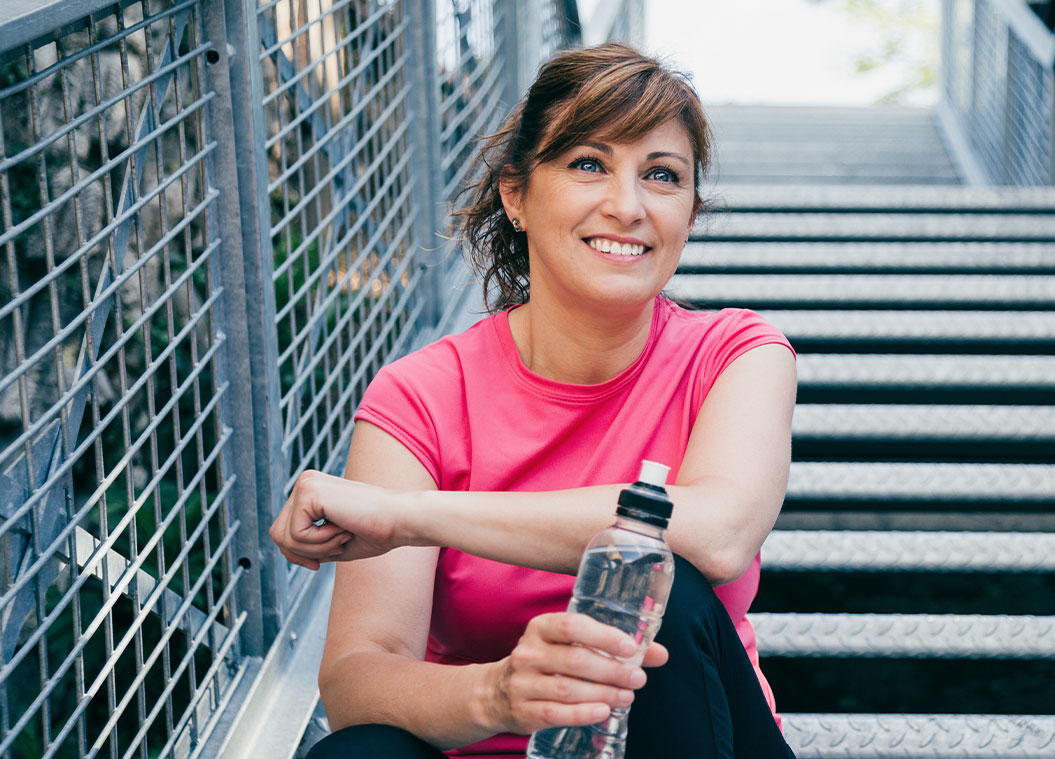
(394,402)
(735,331)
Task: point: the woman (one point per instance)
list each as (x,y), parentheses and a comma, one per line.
(481,465)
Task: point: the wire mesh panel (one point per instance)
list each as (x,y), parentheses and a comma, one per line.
(1030,106)
(336,109)
(117,629)
(998,77)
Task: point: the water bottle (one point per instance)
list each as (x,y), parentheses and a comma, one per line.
(624,580)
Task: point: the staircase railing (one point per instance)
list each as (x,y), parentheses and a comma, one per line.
(998,90)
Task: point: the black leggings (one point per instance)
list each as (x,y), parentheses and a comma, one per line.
(705,703)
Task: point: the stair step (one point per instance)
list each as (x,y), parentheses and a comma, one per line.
(941,636)
(884,199)
(848,290)
(964,257)
(732,178)
(876,226)
(920,736)
(1009,485)
(912,551)
(915,326)
(871,370)
(930,422)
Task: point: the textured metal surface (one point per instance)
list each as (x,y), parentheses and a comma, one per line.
(878,257)
(847,550)
(1036,291)
(914,422)
(927,370)
(963,326)
(876,226)
(912,736)
(945,636)
(907,198)
(1007,483)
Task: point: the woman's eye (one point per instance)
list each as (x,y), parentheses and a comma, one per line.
(663,175)
(587,164)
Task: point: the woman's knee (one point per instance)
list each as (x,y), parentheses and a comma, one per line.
(373,742)
(693,604)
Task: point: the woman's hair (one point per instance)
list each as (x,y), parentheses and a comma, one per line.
(610,92)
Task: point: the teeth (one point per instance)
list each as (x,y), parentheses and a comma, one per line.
(605,245)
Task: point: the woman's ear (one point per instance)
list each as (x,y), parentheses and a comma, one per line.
(512,197)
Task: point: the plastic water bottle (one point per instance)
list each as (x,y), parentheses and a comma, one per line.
(624,581)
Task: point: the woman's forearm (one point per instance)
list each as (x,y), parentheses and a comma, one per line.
(444,705)
(714,525)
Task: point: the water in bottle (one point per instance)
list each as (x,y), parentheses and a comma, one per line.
(624,580)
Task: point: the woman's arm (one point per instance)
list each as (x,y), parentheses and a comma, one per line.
(728,493)
(372,669)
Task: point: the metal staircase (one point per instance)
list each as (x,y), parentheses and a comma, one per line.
(924,439)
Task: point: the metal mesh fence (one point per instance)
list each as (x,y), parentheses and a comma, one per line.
(999,78)
(336,107)
(133,563)
(115,568)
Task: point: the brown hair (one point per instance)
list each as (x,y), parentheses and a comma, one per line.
(610,92)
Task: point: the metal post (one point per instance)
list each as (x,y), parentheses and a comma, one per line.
(421,41)
(235,364)
(512,49)
(247,91)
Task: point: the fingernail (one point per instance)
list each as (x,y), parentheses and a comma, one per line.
(626,647)
(637,678)
(626,697)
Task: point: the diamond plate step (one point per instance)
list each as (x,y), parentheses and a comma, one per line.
(915,326)
(749,226)
(922,482)
(876,551)
(884,198)
(849,290)
(915,422)
(936,636)
(919,736)
(960,257)
(870,370)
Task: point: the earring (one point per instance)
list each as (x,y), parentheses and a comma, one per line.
(516,224)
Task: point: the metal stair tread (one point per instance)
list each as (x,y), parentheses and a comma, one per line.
(924,421)
(812,289)
(917,481)
(947,636)
(866,369)
(887,198)
(914,325)
(871,256)
(918,551)
(881,226)
(913,736)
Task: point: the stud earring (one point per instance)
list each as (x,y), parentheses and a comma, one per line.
(516,224)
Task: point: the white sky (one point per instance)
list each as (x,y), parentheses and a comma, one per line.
(768,51)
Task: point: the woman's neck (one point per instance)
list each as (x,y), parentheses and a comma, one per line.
(578,345)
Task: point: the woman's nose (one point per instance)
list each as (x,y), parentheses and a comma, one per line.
(623,201)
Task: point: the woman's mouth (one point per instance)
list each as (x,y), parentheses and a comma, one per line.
(604,245)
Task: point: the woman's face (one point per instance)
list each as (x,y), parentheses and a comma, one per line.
(606,222)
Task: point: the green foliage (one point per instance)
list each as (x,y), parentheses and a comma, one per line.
(906,36)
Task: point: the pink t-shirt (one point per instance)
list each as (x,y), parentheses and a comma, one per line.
(478,419)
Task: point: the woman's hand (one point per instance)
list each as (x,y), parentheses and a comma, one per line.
(329,518)
(566,670)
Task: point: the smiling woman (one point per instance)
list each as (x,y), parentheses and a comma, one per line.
(481,465)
